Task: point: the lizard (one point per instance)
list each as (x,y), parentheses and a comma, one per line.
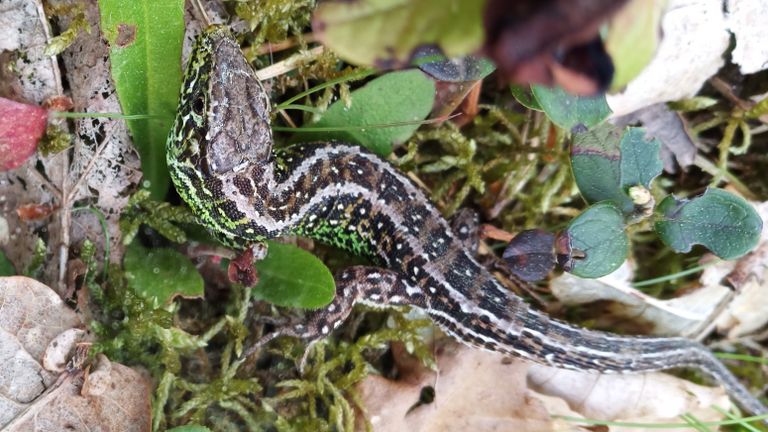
(222,163)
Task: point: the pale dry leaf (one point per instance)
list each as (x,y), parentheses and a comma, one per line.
(60,349)
(746,20)
(695,36)
(641,398)
(111,397)
(32,316)
(105,143)
(23,37)
(474,390)
(686,315)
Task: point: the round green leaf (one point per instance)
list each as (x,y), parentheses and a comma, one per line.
(567,110)
(290,276)
(161,274)
(598,233)
(640,158)
(596,162)
(396,97)
(723,223)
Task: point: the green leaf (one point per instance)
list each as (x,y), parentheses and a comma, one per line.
(161,274)
(524,95)
(6,267)
(599,233)
(457,69)
(386,32)
(290,276)
(392,98)
(640,159)
(190,428)
(145,39)
(723,223)
(596,163)
(567,111)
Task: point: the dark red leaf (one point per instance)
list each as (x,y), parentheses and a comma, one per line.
(241,269)
(530,255)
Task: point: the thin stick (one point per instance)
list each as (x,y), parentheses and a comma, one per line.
(289,64)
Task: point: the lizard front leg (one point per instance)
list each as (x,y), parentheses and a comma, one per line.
(371,286)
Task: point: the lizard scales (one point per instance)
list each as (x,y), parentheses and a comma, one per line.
(221,160)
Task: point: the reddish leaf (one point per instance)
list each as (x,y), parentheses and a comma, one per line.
(21,128)
(241,269)
(31,212)
(530,255)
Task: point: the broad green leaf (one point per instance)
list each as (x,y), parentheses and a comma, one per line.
(145,39)
(723,223)
(6,267)
(567,110)
(633,37)
(524,95)
(640,159)
(599,233)
(386,32)
(290,276)
(396,97)
(596,163)
(161,274)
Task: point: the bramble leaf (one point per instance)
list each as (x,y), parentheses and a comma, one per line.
(599,234)
(722,222)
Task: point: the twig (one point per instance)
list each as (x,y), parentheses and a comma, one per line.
(288,64)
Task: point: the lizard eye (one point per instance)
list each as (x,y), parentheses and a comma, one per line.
(198,105)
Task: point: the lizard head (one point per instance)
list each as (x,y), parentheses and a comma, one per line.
(222,123)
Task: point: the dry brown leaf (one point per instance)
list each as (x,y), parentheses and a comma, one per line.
(32,317)
(38,337)
(111,397)
(477,390)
